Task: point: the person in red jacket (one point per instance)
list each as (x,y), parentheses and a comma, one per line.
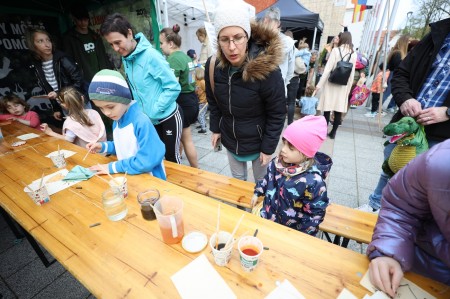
(14,108)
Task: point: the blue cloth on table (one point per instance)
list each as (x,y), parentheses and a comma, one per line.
(78,173)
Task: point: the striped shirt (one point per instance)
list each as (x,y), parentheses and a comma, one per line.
(437,84)
(47,67)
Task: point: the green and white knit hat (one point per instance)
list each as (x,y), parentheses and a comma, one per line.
(109,86)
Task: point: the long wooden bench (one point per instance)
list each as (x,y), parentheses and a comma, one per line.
(342,221)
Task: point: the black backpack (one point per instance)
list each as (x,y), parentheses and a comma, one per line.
(342,71)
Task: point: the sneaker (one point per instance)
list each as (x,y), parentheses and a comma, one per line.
(370,114)
(353,106)
(383,113)
(367,208)
(202,132)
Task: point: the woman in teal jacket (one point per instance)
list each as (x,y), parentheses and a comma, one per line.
(151,81)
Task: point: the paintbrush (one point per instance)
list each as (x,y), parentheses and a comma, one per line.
(234,231)
(217,227)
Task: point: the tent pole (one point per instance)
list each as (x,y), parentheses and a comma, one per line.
(314,39)
(375,45)
(166,14)
(386,48)
(206,11)
(371,28)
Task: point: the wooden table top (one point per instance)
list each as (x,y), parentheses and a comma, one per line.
(12,129)
(128,258)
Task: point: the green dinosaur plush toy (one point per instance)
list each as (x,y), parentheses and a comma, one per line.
(410,139)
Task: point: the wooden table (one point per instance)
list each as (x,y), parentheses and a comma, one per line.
(129,259)
(12,129)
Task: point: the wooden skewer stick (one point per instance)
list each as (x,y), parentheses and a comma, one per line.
(101,178)
(234,231)
(26,186)
(124,177)
(217,227)
(41,181)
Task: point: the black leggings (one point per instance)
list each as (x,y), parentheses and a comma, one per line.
(169,131)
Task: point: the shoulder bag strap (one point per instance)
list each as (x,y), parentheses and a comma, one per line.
(212,65)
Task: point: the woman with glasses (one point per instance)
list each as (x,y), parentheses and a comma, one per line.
(184,69)
(152,82)
(53,69)
(246,96)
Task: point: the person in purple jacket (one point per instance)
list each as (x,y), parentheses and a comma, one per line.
(413,228)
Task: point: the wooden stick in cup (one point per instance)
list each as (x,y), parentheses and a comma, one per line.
(234,231)
(26,186)
(58,150)
(101,178)
(124,177)
(41,181)
(217,227)
(96,140)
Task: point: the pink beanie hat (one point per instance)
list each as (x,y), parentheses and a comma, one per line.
(307,134)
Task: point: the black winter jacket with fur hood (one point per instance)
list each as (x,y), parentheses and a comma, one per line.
(248,107)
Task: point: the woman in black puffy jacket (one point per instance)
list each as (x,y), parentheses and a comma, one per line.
(53,69)
(248,106)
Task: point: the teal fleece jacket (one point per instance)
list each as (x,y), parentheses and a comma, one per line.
(151,80)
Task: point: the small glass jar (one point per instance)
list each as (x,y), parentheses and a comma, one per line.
(114,204)
(147,200)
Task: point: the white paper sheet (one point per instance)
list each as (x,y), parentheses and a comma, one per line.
(199,280)
(346,294)
(52,187)
(27,136)
(285,290)
(406,290)
(66,153)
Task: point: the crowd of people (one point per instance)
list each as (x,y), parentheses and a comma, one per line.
(250,88)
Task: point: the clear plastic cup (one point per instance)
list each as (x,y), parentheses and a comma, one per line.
(169,213)
(114,204)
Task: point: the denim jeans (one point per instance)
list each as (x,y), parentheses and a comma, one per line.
(387,92)
(375,197)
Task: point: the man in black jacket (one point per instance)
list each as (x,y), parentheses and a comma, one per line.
(420,87)
(84,45)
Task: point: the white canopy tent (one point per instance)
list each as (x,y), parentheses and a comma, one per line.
(190,15)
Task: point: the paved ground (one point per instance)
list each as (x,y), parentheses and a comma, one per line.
(357,156)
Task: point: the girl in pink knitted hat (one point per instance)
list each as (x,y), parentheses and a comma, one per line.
(294,188)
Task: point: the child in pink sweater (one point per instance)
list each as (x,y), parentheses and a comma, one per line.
(81,126)
(14,108)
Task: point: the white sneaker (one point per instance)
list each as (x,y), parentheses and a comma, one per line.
(367,208)
(383,113)
(370,114)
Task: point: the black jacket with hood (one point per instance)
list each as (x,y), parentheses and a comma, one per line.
(248,108)
(411,74)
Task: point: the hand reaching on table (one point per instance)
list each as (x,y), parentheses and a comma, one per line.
(93,147)
(385,274)
(254,200)
(100,168)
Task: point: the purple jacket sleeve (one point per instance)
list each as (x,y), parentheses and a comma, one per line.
(415,209)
